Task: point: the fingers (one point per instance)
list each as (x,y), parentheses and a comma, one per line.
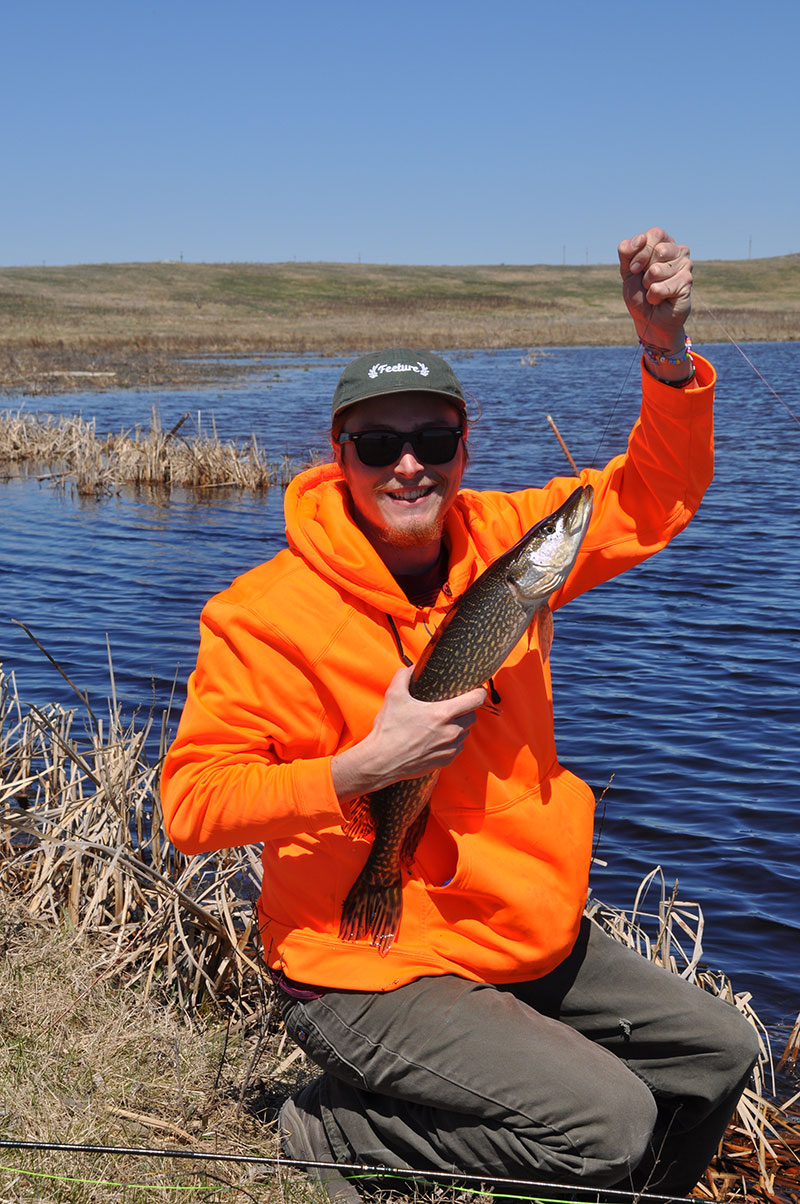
(401,680)
(447,708)
(425,735)
(627,251)
(669,281)
(656,285)
(457,716)
(409,738)
(448,724)
(464,705)
(656,257)
(636,254)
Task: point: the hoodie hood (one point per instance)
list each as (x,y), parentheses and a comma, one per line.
(320,528)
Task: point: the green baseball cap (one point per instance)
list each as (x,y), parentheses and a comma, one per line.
(397,370)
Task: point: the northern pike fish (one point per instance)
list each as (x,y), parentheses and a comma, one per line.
(467,649)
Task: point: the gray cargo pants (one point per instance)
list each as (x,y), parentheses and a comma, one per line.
(608,1071)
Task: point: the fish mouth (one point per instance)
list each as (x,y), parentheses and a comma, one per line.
(578,521)
(577,509)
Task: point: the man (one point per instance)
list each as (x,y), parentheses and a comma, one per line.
(502,1035)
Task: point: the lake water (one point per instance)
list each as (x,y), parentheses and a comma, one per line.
(681,678)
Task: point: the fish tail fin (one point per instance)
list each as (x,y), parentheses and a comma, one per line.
(372,910)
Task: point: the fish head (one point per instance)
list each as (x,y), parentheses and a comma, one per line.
(541,561)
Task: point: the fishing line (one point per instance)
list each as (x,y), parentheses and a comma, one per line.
(747,359)
(354,1169)
(636,357)
(792,414)
(601,803)
(715,318)
(604,432)
(15,1170)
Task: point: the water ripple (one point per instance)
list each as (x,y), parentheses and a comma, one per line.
(681,678)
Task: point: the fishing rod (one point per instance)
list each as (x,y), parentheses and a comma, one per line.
(563,445)
(356,1169)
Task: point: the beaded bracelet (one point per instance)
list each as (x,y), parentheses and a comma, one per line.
(680,384)
(659,355)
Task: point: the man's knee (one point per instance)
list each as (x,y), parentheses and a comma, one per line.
(733,1044)
(742,1042)
(603,1139)
(621,1138)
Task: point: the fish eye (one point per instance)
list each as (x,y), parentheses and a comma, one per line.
(549,529)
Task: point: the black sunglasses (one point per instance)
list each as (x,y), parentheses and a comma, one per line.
(379,449)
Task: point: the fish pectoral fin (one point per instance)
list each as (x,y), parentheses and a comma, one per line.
(413,836)
(544,630)
(360,825)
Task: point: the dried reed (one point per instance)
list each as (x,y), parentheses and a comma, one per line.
(82,844)
(81,839)
(74,452)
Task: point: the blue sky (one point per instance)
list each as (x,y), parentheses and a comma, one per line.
(416,132)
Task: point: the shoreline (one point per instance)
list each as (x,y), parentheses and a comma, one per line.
(93,368)
(123,326)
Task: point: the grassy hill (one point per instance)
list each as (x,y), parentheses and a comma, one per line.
(127,323)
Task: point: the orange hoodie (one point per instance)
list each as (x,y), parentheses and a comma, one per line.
(295,658)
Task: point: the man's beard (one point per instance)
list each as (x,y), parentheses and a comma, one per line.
(413,535)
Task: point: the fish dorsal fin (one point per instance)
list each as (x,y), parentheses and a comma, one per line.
(544,630)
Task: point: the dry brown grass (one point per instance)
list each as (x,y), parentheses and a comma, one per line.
(71,450)
(134,323)
(135,1010)
(86,1060)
